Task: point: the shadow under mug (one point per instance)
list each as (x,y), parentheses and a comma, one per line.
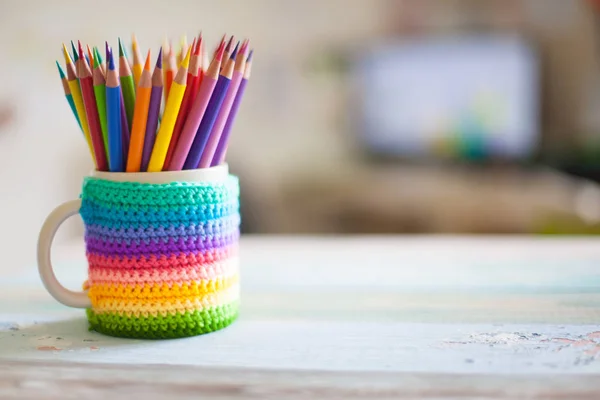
(162,252)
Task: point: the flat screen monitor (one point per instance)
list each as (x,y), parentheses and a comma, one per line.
(459,97)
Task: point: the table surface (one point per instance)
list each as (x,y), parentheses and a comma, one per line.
(338,317)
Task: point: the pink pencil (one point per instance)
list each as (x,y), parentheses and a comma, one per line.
(196,113)
(217,130)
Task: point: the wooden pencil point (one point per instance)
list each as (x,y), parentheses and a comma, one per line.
(229,44)
(121,49)
(74,50)
(186,61)
(159,58)
(60,70)
(147,64)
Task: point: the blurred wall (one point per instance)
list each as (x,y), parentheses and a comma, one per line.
(293,115)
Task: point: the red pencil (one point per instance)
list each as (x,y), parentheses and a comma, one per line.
(91,111)
(191,90)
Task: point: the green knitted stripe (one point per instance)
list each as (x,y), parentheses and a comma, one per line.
(168,327)
(143,195)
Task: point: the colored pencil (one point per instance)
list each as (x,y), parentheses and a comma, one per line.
(127,85)
(197,111)
(75,55)
(163,137)
(137,60)
(68,94)
(77,99)
(153,111)
(183,48)
(90,55)
(100,61)
(91,110)
(120,110)
(113,115)
(185,103)
(217,129)
(170,68)
(210,115)
(200,72)
(228,50)
(219,156)
(124,129)
(100,94)
(140,117)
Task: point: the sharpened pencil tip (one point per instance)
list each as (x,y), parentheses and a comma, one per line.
(75,56)
(80,49)
(97,55)
(220,51)
(250,56)
(198,45)
(159,59)
(147,64)
(234,53)
(186,61)
(66,54)
(60,70)
(121,49)
(228,47)
(111,60)
(193,46)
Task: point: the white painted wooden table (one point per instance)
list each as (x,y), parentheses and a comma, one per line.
(363,317)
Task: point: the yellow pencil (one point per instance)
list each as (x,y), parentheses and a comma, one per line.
(137,60)
(163,137)
(78,100)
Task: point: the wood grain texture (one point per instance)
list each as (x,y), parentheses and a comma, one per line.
(356,317)
(51,380)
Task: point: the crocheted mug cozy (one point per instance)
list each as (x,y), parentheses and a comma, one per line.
(162,257)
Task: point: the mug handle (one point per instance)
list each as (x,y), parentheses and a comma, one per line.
(51,225)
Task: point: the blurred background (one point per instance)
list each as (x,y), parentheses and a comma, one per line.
(361,116)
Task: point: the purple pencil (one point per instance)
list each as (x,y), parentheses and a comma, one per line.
(210,116)
(219,156)
(153,112)
(197,112)
(217,129)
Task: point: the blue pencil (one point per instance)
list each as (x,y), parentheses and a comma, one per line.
(210,115)
(113,115)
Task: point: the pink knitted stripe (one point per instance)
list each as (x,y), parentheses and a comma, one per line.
(168,275)
(151,262)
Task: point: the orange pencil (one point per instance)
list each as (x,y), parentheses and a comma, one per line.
(186,103)
(140,116)
(90,54)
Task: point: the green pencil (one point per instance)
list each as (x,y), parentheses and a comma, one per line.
(100,94)
(100,62)
(68,94)
(127,84)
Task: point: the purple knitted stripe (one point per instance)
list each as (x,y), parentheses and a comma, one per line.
(159,247)
(209,228)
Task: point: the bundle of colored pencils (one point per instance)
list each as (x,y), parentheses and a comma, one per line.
(117,104)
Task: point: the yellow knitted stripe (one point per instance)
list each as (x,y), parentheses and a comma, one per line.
(163,307)
(156,291)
